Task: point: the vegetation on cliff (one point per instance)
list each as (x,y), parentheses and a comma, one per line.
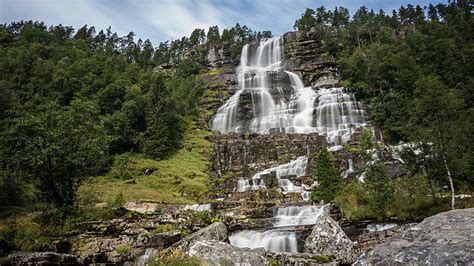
(413,68)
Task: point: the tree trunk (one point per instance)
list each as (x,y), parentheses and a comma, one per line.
(450,180)
(446,167)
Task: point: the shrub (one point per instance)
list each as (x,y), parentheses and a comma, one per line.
(123,249)
(163,228)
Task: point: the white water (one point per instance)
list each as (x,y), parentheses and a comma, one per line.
(294,168)
(271,240)
(349,170)
(280,240)
(299,215)
(380,227)
(143,259)
(331,112)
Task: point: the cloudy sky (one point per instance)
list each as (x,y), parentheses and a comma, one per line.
(161,20)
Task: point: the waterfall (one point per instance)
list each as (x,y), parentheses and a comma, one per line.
(270,98)
(271,240)
(294,168)
(280,239)
(143,259)
(380,227)
(299,215)
(349,170)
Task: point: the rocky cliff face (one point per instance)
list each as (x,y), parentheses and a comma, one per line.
(247,154)
(309,58)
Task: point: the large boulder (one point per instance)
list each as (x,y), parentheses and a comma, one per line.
(42,258)
(328,239)
(443,239)
(220,253)
(216,231)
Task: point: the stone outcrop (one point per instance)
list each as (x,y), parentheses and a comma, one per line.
(219,253)
(309,58)
(216,231)
(246,154)
(328,239)
(443,239)
(219,57)
(42,258)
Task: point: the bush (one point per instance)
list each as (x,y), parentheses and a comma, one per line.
(163,228)
(121,168)
(123,249)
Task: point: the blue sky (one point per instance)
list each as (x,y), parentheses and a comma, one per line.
(161,20)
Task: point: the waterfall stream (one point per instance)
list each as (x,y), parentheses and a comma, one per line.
(281,238)
(272,99)
(294,168)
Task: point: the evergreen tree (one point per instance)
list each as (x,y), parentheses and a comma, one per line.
(306,21)
(326,175)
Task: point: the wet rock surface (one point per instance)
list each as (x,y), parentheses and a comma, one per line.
(443,239)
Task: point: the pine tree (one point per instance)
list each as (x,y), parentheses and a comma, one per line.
(326,175)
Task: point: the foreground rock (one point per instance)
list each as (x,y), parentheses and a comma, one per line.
(443,239)
(328,239)
(42,258)
(219,253)
(216,231)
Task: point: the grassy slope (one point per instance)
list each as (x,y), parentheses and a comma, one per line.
(181,178)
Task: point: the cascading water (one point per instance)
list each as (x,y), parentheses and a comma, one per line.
(299,215)
(280,239)
(350,169)
(270,98)
(271,240)
(294,168)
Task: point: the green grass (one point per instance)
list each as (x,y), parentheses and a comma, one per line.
(213,72)
(181,178)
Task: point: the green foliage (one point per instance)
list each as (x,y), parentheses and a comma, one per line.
(162,228)
(365,140)
(408,197)
(180,178)
(28,234)
(326,175)
(306,21)
(205,216)
(123,249)
(380,187)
